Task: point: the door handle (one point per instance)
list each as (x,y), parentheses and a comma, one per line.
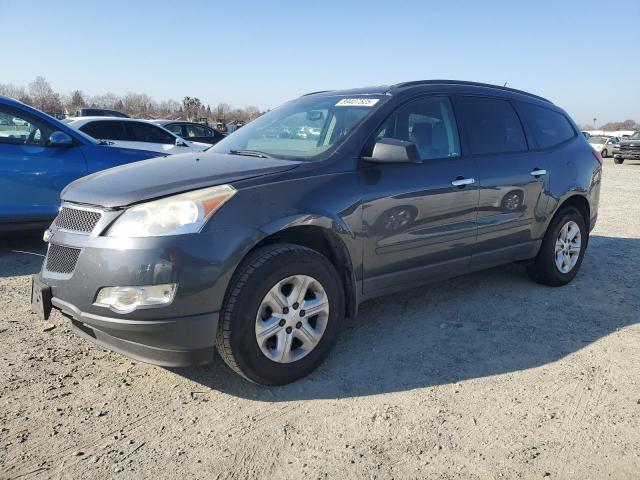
(461,182)
(536,172)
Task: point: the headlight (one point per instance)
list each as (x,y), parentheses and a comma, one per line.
(179,214)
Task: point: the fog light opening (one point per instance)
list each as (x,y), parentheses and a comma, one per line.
(126,299)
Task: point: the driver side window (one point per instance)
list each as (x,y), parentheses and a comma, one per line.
(18,129)
(427,122)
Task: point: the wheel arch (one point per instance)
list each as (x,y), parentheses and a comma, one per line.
(330,237)
(580,203)
(328,243)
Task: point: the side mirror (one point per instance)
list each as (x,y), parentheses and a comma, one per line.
(60,139)
(181,143)
(391,150)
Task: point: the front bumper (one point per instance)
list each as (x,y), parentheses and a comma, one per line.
(179,334)
(176,342)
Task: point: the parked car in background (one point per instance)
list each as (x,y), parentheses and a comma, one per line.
(586,134)
(628,149)
(100,112)
(195,132)
(604,145)
(39,156)
(132,133)
(262,246)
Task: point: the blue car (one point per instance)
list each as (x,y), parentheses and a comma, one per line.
(39,156)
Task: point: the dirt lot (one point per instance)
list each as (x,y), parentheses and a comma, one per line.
(485,376)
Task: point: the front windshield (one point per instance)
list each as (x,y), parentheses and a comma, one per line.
(635,136)
(598,140)
(302,129)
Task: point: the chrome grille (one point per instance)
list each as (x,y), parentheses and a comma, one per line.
(627,148)
(61,259)
(77,220)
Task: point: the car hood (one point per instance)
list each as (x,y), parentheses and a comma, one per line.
(159,177)
(630,143)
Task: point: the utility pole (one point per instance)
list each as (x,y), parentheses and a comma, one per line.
(594,122)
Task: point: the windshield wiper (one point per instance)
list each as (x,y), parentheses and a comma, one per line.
(249,153)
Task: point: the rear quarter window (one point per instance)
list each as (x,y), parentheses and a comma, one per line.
(549,128)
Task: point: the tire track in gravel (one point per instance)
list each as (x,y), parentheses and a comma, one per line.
(239,426)
(574,449)
(94,441)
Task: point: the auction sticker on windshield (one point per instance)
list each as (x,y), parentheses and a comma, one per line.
(357,102)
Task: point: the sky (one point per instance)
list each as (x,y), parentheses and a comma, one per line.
(582,55)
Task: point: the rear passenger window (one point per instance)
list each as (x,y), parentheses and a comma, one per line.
(549,128)
(492,125)
(105,130)
(427,122)
(175,128)
(145,132)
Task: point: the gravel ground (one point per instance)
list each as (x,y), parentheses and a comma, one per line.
(483,376)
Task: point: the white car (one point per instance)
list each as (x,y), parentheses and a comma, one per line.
(604,145)
(133,133)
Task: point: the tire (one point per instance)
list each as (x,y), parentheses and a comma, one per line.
(258,275)
(618,161)
(544,269)
(604,153)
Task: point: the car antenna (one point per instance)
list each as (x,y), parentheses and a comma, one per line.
(505,84)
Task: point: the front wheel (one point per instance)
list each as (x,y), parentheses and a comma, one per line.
(282,313)
(604,153)
(562,250)
(618,161)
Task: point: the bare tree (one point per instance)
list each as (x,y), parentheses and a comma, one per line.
(75,102)
(43,96)
(252,112)
(222,110)
(11,91)
(192,107)
(626,125)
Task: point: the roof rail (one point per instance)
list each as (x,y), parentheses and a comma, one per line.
(313,93)
(462,82)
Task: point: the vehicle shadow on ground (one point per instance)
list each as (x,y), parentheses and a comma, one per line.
(21,253)
(487,323)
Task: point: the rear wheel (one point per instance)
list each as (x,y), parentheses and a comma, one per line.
(618,161)
(604,153)
(562,250)
(282,314)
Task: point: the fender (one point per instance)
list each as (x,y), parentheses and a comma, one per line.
(341,237)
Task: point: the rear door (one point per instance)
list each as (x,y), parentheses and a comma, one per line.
(176,129)
(145,135)
(111,130)
(513,180)
(197,133)
(419,219)
(32,173)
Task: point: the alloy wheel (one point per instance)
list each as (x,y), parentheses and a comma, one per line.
(568,245)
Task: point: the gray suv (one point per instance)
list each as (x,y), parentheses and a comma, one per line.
(261,246)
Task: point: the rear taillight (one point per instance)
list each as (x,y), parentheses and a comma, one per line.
(598,156)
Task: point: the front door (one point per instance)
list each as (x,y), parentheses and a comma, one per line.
(32,174)
(419,219)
